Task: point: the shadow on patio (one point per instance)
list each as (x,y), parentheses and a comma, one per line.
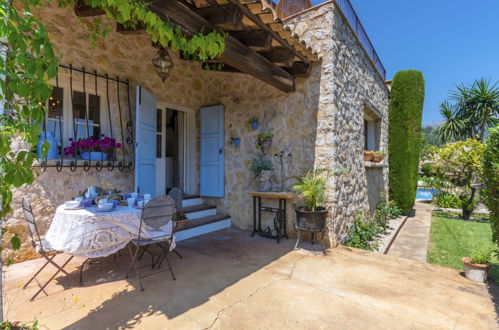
(228,280)
(210,264)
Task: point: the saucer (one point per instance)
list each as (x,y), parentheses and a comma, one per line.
(74,208)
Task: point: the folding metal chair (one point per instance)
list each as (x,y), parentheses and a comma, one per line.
(42,247)
(156,216)
(176,194)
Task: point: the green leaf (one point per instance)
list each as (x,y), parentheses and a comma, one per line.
(16,242)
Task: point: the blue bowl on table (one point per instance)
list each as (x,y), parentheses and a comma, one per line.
(114,202)
(87,202)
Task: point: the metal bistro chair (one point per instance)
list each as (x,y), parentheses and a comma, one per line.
(157,213)
(42,247)
(176,194)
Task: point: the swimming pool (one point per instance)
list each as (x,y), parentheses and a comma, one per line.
(425,193)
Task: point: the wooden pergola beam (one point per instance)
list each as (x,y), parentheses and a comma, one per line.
(280,56)
(228,18)
(259,41)
(255,19)
(300,69)
(83,10)
(236,54)
(120,28)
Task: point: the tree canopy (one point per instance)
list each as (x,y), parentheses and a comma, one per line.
(474,110)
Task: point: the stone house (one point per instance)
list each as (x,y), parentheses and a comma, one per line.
(311,79)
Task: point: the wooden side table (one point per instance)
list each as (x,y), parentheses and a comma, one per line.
(280,213)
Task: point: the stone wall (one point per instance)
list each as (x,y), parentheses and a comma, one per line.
(291,118)
(349,82)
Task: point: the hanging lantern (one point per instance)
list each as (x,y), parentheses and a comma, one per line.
(53,103)
(163,64)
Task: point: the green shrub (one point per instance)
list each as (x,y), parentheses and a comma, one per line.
(447,200)
(460,166)
(482,253)
(385,211)
(404,136)
(362,233)
(491,180)
(428,169)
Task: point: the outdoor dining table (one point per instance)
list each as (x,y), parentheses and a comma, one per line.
(93,234)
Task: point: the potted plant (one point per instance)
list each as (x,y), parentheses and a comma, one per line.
(236,141)
(262,168)
(477,264)
(312,189)
(92,148)
(378,156)
(368,155)
(253,121)
(264,141)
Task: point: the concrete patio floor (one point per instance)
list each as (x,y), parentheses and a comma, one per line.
(228,280)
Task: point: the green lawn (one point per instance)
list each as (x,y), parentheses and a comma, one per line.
(452,238)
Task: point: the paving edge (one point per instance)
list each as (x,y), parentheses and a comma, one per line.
(389,245)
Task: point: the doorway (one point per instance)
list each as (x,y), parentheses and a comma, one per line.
(169,149)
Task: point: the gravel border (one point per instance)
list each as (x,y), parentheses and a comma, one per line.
(385,240)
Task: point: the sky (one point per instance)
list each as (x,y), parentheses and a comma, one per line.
(451,42)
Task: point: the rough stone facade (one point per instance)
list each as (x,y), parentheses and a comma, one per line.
(320,124)
(348,82)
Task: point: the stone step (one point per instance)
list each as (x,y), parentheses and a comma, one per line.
(199,211)
(203,225)
(191,201)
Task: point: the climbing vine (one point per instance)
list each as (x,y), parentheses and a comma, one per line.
(132,13)
(28,62)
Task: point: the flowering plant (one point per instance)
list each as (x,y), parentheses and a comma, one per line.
(104,144)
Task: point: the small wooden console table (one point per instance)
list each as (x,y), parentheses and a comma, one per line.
(280,213)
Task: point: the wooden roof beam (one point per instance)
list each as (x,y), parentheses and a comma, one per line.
(236,54)
(259,41)
(301,69)
(280,56)
(83,10)
(120,28)
(227,17)
(265,27)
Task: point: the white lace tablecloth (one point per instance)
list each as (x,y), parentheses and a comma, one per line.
(92,234)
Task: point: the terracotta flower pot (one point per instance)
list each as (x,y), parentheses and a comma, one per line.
(475,272)
(368,155)
(377,158)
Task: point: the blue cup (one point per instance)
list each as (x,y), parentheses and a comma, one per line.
(115,203)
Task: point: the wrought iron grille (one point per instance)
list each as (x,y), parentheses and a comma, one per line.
(123,162)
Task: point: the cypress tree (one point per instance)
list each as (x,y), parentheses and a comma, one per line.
(404,136)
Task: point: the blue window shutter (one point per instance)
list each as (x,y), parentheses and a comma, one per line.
(212,151)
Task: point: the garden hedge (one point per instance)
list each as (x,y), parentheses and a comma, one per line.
(491,180)
(404,136)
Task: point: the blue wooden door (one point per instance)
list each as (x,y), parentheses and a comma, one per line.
(145,147)
(212,151)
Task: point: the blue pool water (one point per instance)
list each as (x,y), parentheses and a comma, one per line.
(423,193)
